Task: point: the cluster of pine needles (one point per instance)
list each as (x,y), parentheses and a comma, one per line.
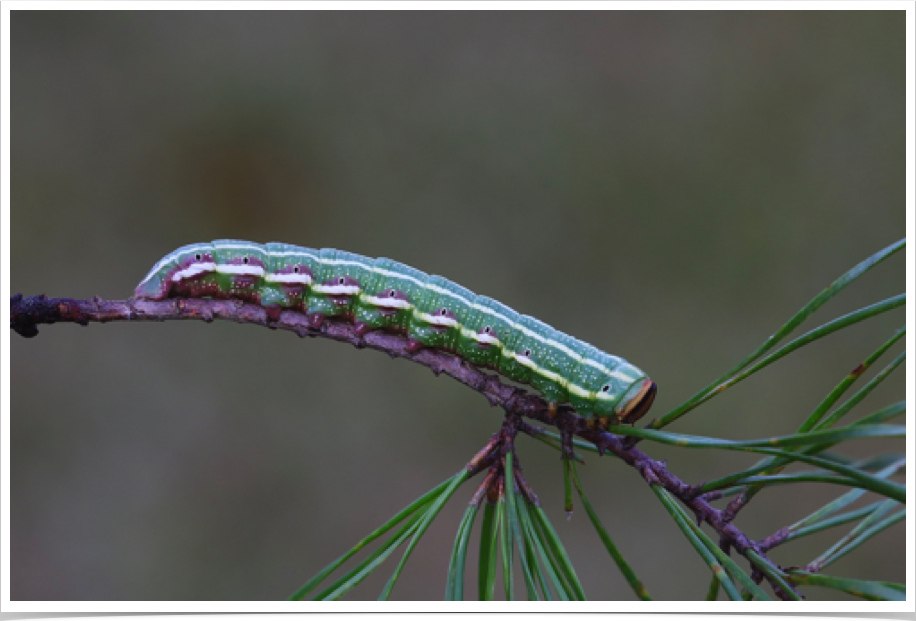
(513,524)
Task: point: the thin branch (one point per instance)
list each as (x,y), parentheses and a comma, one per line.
(27,313)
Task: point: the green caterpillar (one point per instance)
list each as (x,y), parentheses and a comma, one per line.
(431,310)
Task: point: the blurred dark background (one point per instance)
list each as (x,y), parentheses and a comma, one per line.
(668,186)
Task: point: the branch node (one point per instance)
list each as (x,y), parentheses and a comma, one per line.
(731,511)
(711,496)
(474,465)
(526,489)
(483,489)
(777,538)
(692,491)
(646,470)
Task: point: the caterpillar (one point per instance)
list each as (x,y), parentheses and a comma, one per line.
(382,294)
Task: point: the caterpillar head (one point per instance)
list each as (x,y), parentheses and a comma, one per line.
(626,403)
(636,401)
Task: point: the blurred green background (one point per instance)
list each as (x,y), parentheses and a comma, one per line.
(670,187)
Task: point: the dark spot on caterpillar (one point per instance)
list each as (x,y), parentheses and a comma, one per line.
(486,330)
(391,293)
(340,281)
(197,256)
(443,312)
(527,353)
(605,388)
(245,260)
(296,270)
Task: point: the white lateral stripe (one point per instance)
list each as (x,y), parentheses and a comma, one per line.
(152,272)
(386,302)
(436,320)
(372,268)
(202,268)
(258,248)
(559,379)
(528,362)
(480,338)
(485,338)
(241,270)
(289,279)
(485,309)
(194,270)
(553,377)
(199,247)
(623,376)
(241,246)
(336,289)
(353,290)
(293,253)
(159,265)
(164,261)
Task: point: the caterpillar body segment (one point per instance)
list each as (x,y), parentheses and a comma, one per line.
(386,301)
(241,267)
(194,276)
(431,310)
(481,341)
(337,285)
(290,272)
(158,283)
(439,316)
(557,363)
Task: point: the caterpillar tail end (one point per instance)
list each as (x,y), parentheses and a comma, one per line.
(155,288)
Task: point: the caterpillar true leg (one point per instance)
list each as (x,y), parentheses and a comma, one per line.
(552,409)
